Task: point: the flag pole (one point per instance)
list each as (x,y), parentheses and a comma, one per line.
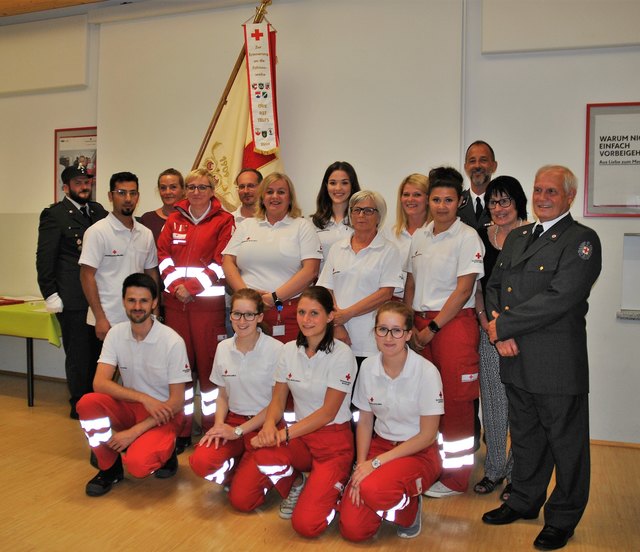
(261,10)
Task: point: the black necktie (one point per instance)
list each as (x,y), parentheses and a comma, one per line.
(85,212)
(535,234)
(479,208)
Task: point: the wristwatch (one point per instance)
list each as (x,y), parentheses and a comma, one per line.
(433,327)
(376,463)
(238,431)
(277,302)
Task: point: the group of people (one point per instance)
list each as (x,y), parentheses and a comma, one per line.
(337,318)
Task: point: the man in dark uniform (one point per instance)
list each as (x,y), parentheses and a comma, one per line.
(479,164)
(537,297)
(60,234)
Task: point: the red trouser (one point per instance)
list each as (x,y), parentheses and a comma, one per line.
(201,325)
(286,317)
(232,463)
(327,453)
(101,415)
(454,351)
(389,492)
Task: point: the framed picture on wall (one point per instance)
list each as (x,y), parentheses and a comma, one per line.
(612,161)
(74,147)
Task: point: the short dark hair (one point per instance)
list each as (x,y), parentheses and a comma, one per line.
(122,177)
(509,186)
(323,296)
(249,169)
(445,177)
(480,143)
(172,172)
(139,279)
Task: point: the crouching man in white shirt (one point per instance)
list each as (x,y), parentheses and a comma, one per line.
(136,423)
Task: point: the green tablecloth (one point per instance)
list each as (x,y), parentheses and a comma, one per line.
(30,319)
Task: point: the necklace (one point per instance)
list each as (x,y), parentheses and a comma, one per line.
(495,233)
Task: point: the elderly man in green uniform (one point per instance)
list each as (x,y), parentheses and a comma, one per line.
(537,296)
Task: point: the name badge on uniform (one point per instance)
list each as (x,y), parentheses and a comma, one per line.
(278,330)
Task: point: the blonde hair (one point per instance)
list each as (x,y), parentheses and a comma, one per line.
(196,173)
(294,208)
(421,182)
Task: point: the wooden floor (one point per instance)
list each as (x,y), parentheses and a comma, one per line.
(43,506)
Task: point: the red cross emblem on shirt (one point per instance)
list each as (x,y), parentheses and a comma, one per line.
(114,252)
(290,375)
(348,377)
(478,255)
(257,34)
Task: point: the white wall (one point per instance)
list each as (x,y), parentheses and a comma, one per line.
(372,82)
(532,109)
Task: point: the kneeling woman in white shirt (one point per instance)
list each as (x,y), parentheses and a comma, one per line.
(243,370)
(403,391)
(318,371)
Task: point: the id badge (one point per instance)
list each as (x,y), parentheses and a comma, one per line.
(278,330)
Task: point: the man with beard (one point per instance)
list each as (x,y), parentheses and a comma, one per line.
(247,183)
(136,423)
(479,164)
(60,239)
(114,248)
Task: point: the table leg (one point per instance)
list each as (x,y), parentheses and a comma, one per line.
(30,371)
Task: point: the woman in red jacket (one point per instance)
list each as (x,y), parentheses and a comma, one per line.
(190,256)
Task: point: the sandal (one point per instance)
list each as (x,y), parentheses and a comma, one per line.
(486,486)
(506,492)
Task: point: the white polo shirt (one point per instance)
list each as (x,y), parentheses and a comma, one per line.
(309,378)
(238,216)
(247,378)
(269,255)
(403,243)
(148,366)
(436,262)
(353,276)
(332,233)
(398,403)
(115,252)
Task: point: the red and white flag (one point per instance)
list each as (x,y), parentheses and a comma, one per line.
(237,139)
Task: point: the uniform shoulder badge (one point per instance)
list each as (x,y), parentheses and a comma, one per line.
(585,250)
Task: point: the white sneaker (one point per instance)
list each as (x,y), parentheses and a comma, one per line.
(439,490)
(289,503)
(414,529)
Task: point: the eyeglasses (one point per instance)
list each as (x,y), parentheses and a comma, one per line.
(124,193)
(503,202)
(248,316)
(396,333)
(199,187)
(367,211)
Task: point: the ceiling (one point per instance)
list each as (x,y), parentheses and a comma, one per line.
(23,11)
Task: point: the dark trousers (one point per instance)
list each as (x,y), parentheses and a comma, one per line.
(547,432)
(82,349)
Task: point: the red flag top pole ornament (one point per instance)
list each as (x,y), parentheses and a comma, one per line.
(243,132)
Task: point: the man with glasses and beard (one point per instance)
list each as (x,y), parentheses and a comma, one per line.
(60,241)
(114,248)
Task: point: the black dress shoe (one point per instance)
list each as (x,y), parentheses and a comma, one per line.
(182,443)
(505,515)
(552,538)
(101,484)
(169,468)
(73,413)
